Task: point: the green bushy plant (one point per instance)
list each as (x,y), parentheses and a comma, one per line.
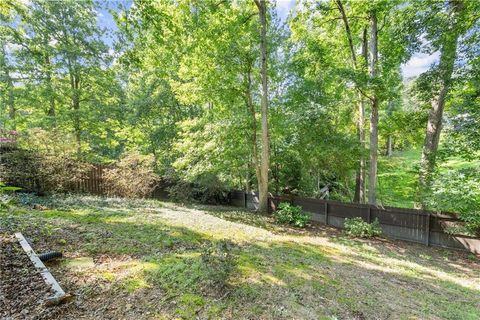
(219,262)
(293,215)
(457,191)
(4,188)
(356,227)
(5,200)
(206,188)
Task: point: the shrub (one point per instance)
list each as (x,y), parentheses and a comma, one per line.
(293,215)
(131,177)
(457,191)
(5,200)
(207,189)
(219,262)
(180,191)
(210,190)
(41,172)
(42,161)
(356,227)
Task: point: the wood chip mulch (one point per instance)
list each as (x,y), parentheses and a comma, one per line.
(22,288)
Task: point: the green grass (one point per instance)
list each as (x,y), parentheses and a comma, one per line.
(398,175)
(148,256)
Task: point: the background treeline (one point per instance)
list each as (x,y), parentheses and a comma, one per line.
(180,82)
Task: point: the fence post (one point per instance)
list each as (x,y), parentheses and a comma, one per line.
(427,230)
(326,213)
(369,216)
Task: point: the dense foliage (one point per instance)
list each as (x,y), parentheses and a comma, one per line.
(458,191)
(293,215)
(356,227)
(131,177)
(188,85)
(42,163)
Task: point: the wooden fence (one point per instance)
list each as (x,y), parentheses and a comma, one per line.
(92,182)
(398,223)
(419,226)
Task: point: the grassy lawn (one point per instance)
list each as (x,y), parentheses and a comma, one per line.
(142,259)
(398,175)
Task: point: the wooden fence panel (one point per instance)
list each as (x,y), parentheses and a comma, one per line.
(92,182)
(398,223)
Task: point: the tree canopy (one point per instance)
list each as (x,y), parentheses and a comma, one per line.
(229,93)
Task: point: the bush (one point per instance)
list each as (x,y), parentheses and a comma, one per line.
(131,177)
(41,172)
(207,189)
(293,215)
(356,227)
(219,262)
(5,200)
(210,190)
(180,191)
(42,161)
(457,191)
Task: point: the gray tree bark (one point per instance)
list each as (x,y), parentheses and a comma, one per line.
(435,114)
(359,195)
(253,126)
(372,175)
(50,92)
(389,152)
(9,99)
(361,172)
(12,111)
(75,86)
(265,161)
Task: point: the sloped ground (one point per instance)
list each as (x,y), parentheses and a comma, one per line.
(143,259)
(398,175)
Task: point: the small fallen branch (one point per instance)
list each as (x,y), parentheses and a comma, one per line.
(59,296)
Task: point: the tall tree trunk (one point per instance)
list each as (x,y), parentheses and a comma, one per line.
(435,114)
(76,125)
(253,122)
(389,143)
(372,175)
(75,82)
(12,111)
(264,165)
(248,180)
(389,148)
(48,78)
(360,174)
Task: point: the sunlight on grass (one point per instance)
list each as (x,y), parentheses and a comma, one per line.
(159,248)
(398,175)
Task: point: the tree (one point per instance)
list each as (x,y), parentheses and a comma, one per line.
(7,65)
(60,52)
(448,51)
(372,174)
(264,162)
(360,174)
